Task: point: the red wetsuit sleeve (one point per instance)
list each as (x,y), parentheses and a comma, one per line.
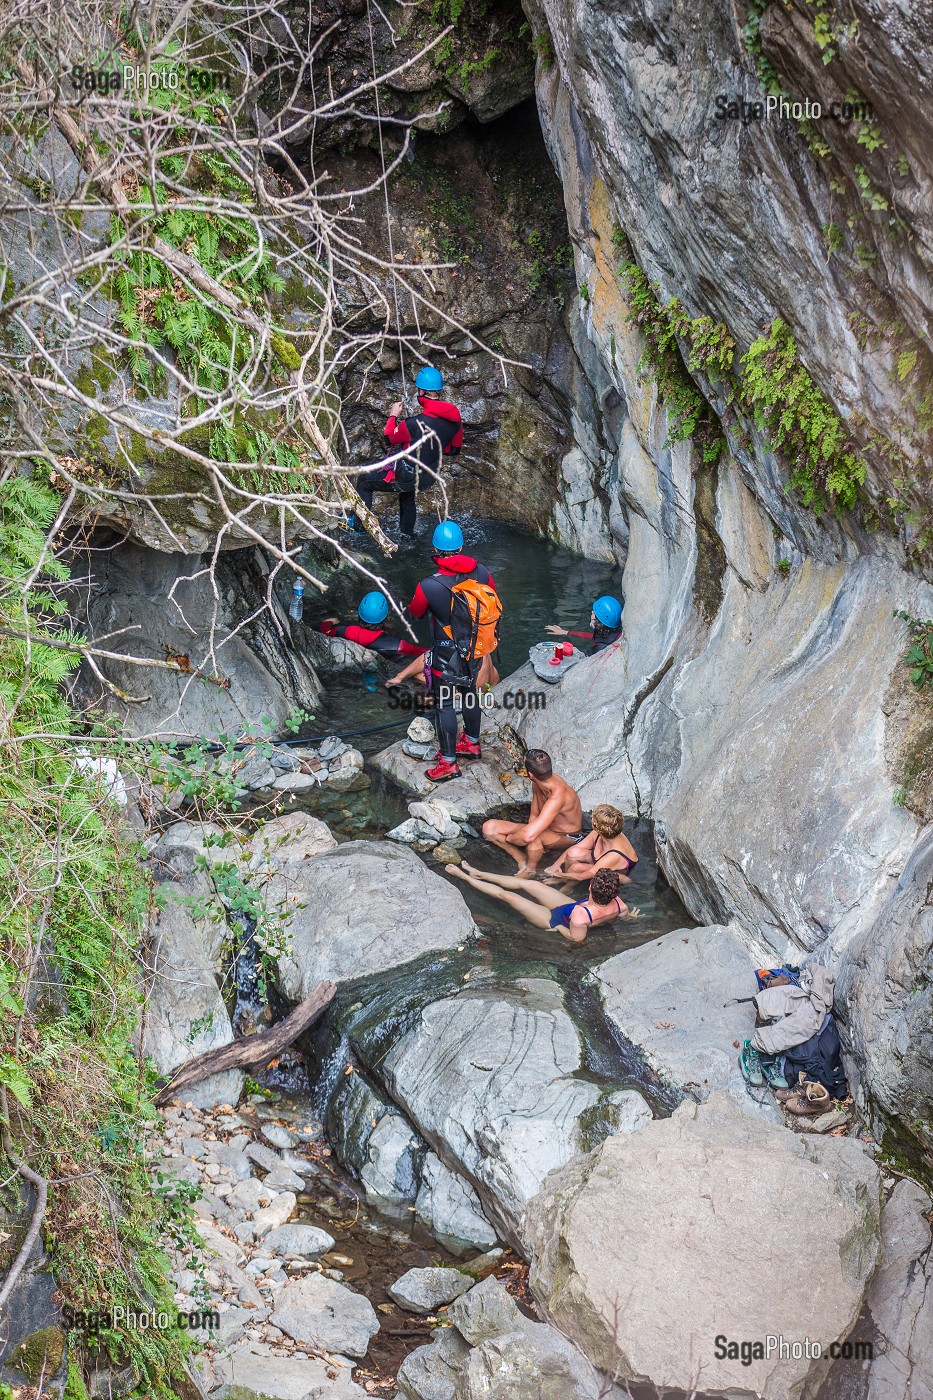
(418,607)
(329,629)
(409,649)
(587,635)
(362,635)
(396,430)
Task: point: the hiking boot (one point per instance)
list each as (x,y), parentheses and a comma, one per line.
(469,748)
(792,1089)
(443,771)
(772,1073)
(750,1065)
(810,1101)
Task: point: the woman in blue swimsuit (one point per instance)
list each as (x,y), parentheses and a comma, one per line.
(545,907)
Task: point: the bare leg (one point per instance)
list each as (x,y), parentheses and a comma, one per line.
(534,890)
(534,913)
(498,833)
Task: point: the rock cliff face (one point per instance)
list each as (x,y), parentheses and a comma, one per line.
(760,710)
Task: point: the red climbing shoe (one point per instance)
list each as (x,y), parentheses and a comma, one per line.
(469,748)
(443,771)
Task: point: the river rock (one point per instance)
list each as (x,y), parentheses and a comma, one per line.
(489,1078)
(186,1014)
(295,782)
(277,1135)
(330,748)
(283,841)
(352,914)
(640,1250)
(431,1372)
(283,1178)
(327,1315)
(900,1299)
(271,1216)
(265,1157)
(425,1290)
(298,1241)
(671,998)
(435,815)
(478,791)
(448,1206)
(250,1374)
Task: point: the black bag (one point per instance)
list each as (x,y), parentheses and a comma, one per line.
(820,1058)
(430,439)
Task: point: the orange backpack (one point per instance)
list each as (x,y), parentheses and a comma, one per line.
(475,610)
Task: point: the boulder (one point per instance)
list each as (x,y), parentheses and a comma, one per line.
(186,1014)
(360,909)
(295,782)
(489,1078)
(425,1290)
(253,1375)
(298,1241)
(494,1352)
(325,1314)
(900,1299)
(480,789)
(448,1206)
(650,1247)
(274,1215)
(284,841)
(674,1000)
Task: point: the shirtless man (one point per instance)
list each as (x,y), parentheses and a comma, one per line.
(553,824)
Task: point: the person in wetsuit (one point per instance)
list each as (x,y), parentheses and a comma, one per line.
(606,847)
(605,621)
(373,610)
(546,908)
(433,598)
(432,434)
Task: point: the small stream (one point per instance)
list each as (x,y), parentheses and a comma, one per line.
(540,583)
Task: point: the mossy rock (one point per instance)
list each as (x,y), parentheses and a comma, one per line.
(41,1351)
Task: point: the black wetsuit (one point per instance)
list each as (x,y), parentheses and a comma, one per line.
(433,596)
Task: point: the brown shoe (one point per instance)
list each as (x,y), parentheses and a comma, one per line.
(810,1100)
(782,1095)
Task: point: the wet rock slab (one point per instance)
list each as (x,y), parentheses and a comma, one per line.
(477,792)
(670,999)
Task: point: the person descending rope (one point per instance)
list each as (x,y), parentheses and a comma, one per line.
(430,435)
(605,620)
(464,608)
(373,610)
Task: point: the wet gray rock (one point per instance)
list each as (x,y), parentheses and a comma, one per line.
(277,1135)
(448,1206)
(641,1248)
(489,1079)
(326,1314)
(295,782)
(425,1290)
(297,1241)
(351,914)
(670,998)
(186,1014)
(479,789)
(166,600)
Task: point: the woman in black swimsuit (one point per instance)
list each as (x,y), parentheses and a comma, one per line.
(604,848)
(544,907)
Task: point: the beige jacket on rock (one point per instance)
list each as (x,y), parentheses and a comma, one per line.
(792,1013)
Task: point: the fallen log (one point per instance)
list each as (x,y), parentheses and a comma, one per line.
(250,1051)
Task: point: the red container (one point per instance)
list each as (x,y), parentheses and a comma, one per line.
(567,648)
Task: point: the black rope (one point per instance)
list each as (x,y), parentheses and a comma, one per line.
(288,743)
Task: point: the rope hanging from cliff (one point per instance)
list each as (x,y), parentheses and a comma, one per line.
(385,194)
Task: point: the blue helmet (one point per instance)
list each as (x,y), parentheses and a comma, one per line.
(373,609)
(608,611)
(447,537)
(430,379)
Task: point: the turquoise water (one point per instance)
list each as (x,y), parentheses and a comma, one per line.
(538,582)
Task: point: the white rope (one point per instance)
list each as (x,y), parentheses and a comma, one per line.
(385,192)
